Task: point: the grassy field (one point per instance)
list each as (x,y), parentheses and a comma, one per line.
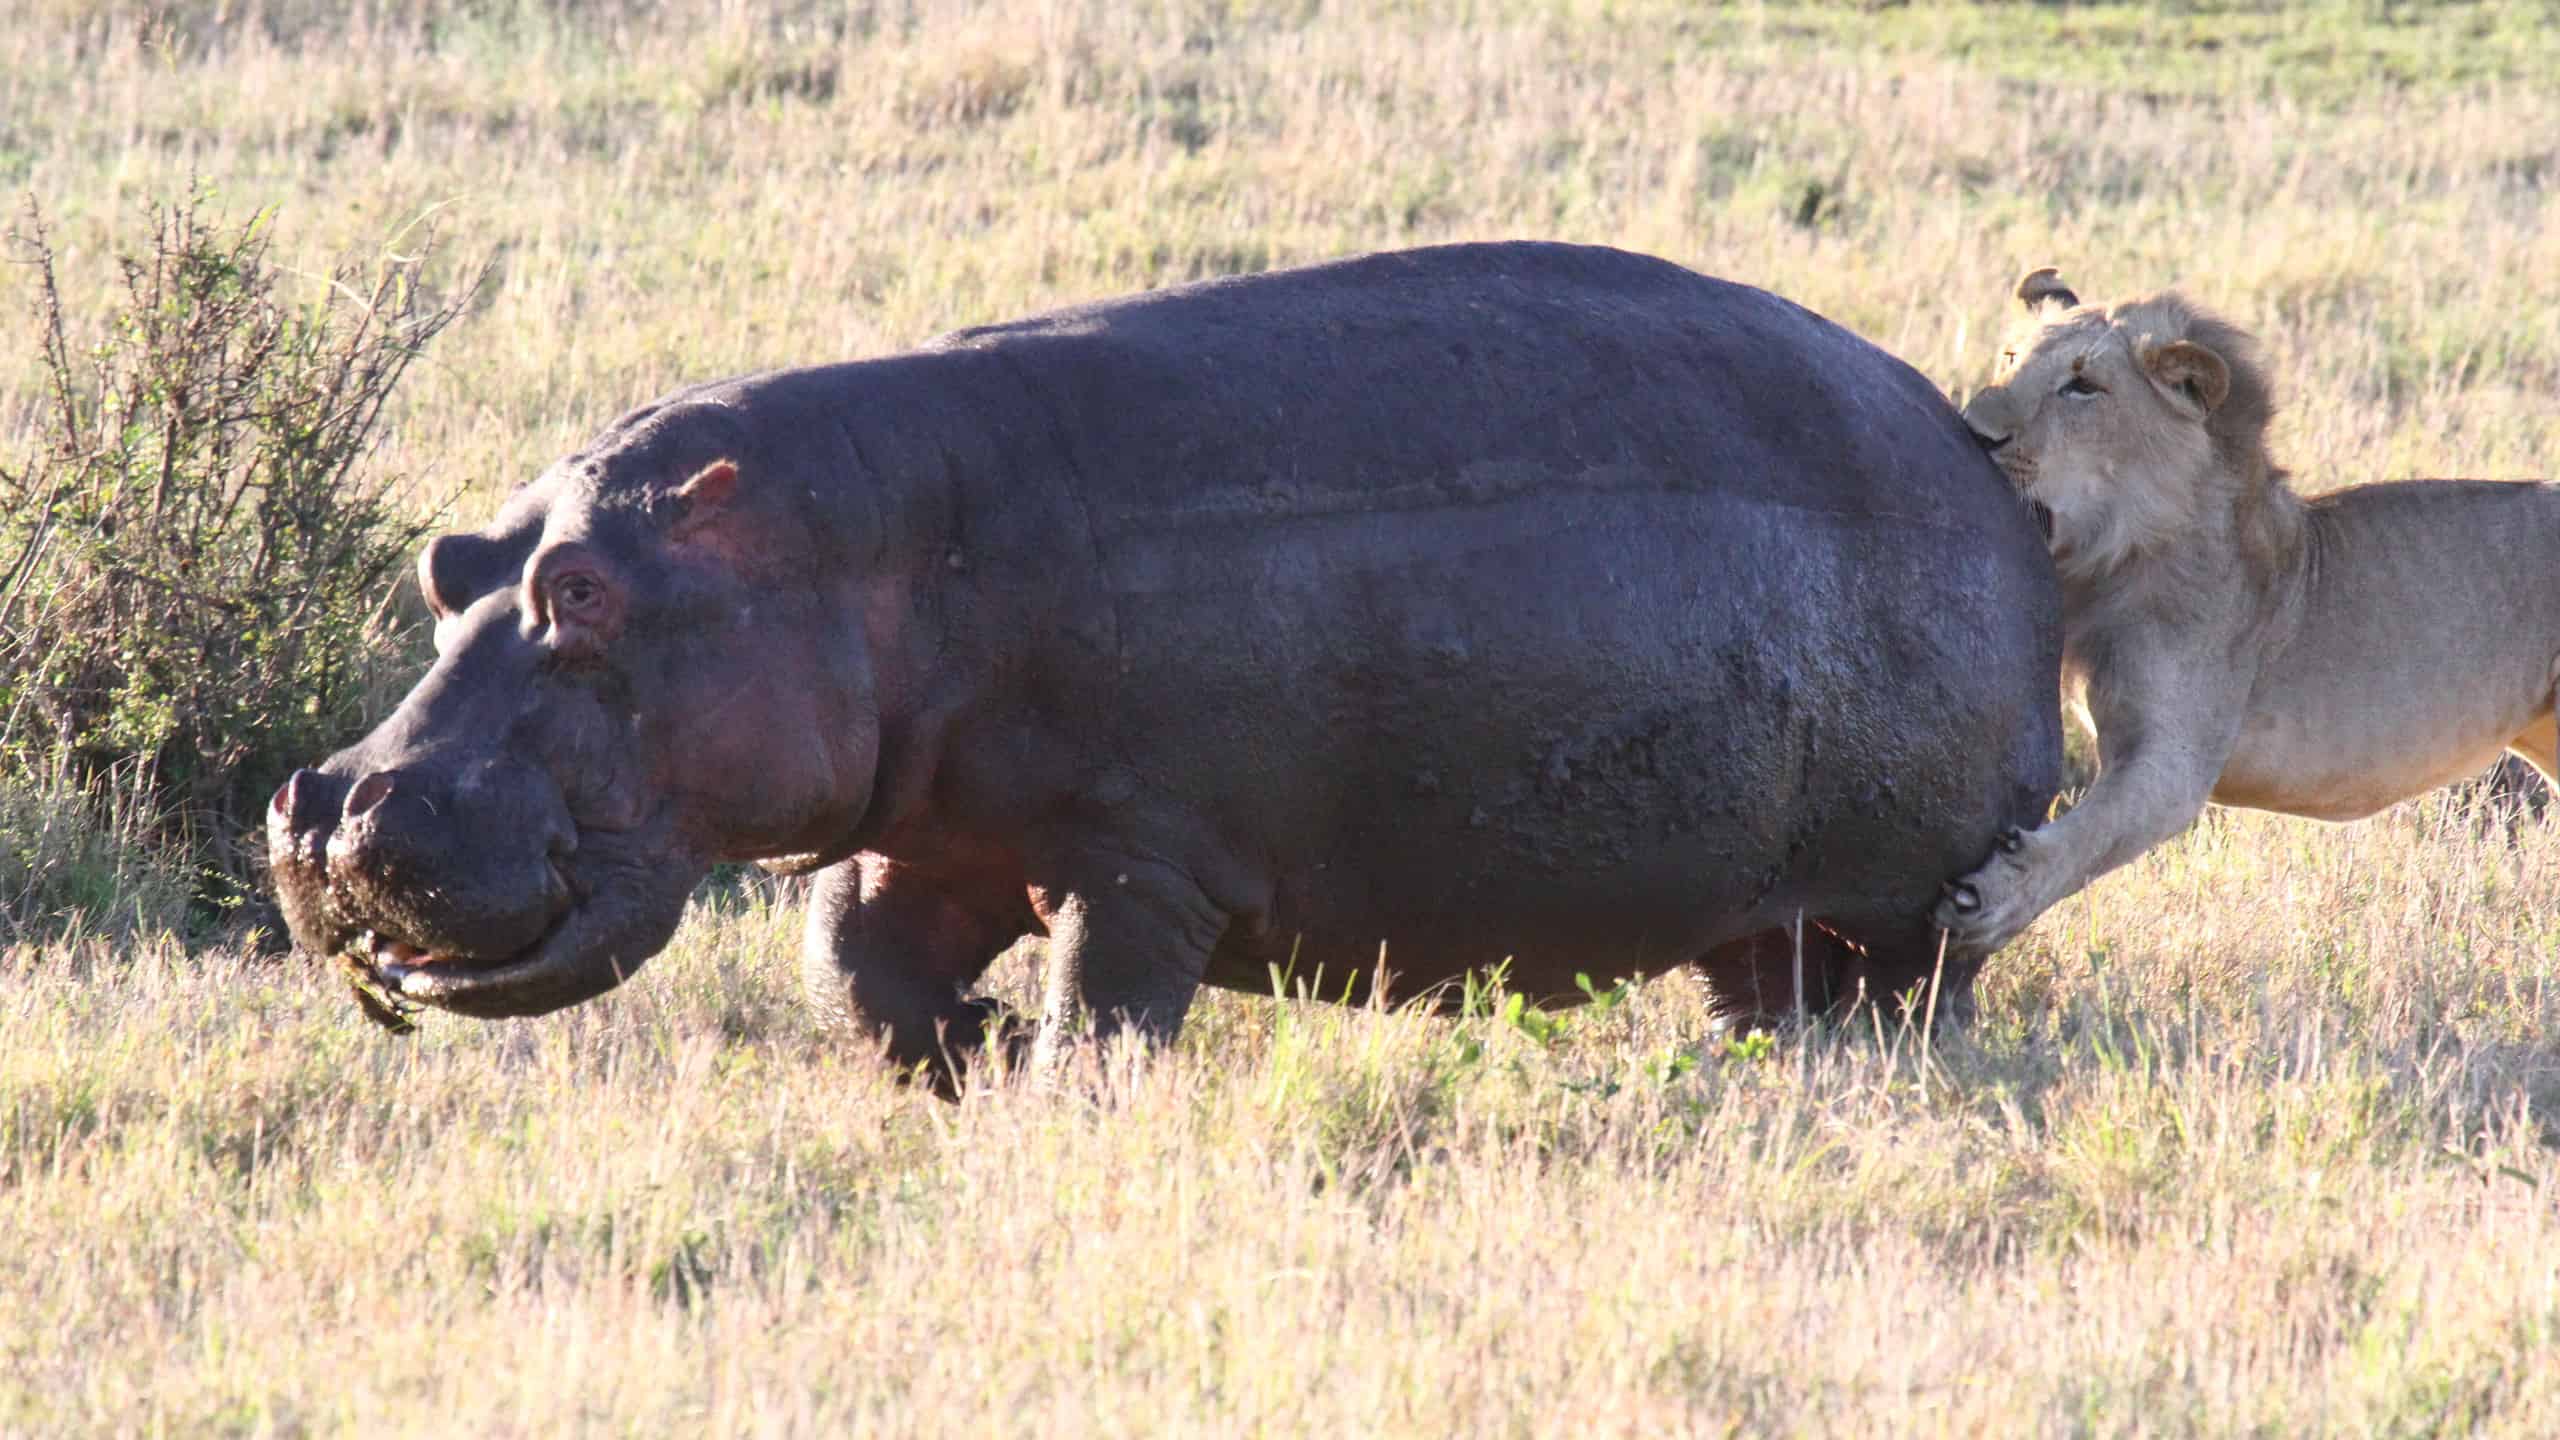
(2255,1137)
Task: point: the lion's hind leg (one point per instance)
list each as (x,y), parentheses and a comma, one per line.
(2539,746)
(2512,796)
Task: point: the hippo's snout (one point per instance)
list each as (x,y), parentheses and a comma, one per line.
(436,871)
(391,821)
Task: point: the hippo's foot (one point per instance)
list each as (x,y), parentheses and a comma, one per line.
(1986,909)
(995,1041)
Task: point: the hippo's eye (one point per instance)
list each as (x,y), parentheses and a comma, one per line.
(578,599)
(577,596)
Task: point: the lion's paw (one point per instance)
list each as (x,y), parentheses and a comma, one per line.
(1986,909)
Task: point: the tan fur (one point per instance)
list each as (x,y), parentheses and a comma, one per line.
(2227,640)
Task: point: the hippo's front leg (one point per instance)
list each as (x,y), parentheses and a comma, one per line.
(892,949)
(1129,939)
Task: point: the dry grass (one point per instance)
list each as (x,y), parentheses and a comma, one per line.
(2254,1137)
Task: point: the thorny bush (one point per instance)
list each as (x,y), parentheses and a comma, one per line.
(197,562)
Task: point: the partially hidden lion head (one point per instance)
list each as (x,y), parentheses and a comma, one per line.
(2135,428)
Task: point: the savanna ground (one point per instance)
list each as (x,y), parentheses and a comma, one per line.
(2258,1136)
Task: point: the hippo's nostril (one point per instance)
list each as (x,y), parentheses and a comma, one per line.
(370,792)
(306,801)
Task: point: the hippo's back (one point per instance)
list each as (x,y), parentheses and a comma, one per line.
(1464,373)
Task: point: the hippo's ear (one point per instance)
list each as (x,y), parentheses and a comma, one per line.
(455,570)
(704,496)
(2043,286)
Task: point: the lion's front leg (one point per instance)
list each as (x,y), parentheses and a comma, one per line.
(2158,771)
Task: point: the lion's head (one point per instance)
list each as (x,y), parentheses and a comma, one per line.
(2137,427)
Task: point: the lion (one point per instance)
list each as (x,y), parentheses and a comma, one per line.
(2226,640)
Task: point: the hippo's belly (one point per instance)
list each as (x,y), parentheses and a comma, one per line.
(1597,731)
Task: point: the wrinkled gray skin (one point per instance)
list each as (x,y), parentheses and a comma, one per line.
(1485,601)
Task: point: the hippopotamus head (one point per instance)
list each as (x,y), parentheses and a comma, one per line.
(625,692)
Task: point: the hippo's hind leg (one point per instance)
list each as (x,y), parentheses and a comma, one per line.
(1907,966)
(1754,978)
(892,949)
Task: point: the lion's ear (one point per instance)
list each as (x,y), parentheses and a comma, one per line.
(2193,377)
(2043,286)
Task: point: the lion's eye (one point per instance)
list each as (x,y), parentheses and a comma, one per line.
(2078,385)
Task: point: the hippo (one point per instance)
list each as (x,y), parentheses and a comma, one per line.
(1395,619)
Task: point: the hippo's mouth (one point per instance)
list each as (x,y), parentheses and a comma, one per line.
(564,965)
(423,975)
(615,922)
(398,964)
